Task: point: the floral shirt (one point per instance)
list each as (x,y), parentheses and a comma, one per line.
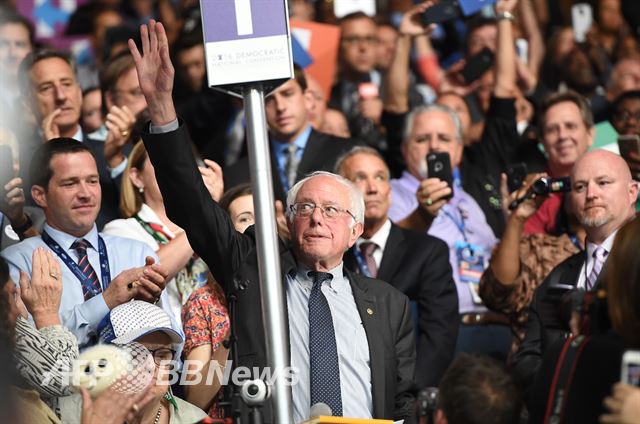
(205,320)
(539,254)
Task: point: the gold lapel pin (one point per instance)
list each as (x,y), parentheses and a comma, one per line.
(370,311)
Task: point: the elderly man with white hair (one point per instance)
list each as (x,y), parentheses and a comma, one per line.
(351,339)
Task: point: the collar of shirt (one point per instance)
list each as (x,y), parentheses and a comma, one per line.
(66,240)
(280,146)
(338,283)
(607,244)
(148,215)
(78,135)
(379,238)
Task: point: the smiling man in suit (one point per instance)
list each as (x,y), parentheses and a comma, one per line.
(414,263)
(602,197)
(296,148)
(351,341)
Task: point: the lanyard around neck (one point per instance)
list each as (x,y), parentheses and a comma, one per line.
(75,269)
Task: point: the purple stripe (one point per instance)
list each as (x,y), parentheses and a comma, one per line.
(219,19)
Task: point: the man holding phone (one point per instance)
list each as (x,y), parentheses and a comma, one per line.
(451,214)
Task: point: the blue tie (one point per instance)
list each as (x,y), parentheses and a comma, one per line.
(323,353)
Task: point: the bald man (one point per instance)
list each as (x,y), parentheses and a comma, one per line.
(602,198)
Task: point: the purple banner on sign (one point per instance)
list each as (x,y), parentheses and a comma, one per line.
(220,23)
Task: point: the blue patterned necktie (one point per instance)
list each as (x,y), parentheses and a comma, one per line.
(80,246)
(323,352)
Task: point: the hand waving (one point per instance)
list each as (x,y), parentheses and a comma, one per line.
(155,72)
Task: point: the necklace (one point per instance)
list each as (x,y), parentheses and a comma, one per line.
(158,415)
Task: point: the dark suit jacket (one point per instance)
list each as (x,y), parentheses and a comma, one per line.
(418,265)
(546,325)
(232,258)
(596,370)
(320,154)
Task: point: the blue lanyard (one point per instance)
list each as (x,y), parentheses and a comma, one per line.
(575,241)
(73,266)
(459,224)
(362,264)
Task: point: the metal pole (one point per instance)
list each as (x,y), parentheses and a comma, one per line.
(276,336)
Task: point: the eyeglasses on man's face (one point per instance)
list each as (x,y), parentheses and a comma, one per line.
(330,212)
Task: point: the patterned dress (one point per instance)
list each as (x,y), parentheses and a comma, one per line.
(539,254)
(206,321)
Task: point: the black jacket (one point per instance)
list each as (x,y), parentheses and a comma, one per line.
(232,258)
(418,265)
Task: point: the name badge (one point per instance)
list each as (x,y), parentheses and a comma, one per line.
(471,265)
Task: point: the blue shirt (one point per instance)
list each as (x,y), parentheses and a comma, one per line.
(476,229)
(280,148)
(79,316)
(351,341)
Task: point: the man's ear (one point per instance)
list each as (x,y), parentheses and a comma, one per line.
(356,232)
(309,101)
(39,195)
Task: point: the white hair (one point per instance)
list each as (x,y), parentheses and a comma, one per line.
(356,198)
(411,117)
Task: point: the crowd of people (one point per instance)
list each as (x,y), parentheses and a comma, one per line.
(441,228)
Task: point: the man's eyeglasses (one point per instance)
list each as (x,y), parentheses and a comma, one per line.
(625,116)
(163,355)
(330,212)
(352,40)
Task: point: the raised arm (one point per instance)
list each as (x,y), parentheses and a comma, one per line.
(532,32)
(396,81)
(155,72)
(505,86)
(187,199)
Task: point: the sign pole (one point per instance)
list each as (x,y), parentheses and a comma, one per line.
(271,286)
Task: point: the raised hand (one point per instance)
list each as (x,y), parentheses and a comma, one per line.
(212,177)
(411,23)
(432,195)
(119,121)
(505,6)
(49,127)
(12,200)
(42,294)
(155,72)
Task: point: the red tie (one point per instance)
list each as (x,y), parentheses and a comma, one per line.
(80,246)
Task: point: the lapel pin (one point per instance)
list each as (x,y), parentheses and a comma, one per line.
(370,311)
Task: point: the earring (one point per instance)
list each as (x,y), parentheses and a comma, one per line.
(141,190)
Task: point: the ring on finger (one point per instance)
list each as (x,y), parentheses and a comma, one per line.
(124,133)
(53,275)
(429,201)
(133,284)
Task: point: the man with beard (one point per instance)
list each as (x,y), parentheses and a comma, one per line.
(602,198)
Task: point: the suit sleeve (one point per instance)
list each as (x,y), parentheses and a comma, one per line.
(439,320)
(189,204)
(497,147)
(406,360)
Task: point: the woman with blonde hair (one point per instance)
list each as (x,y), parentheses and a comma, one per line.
(145,219)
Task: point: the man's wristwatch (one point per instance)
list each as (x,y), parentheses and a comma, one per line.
(505,15)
